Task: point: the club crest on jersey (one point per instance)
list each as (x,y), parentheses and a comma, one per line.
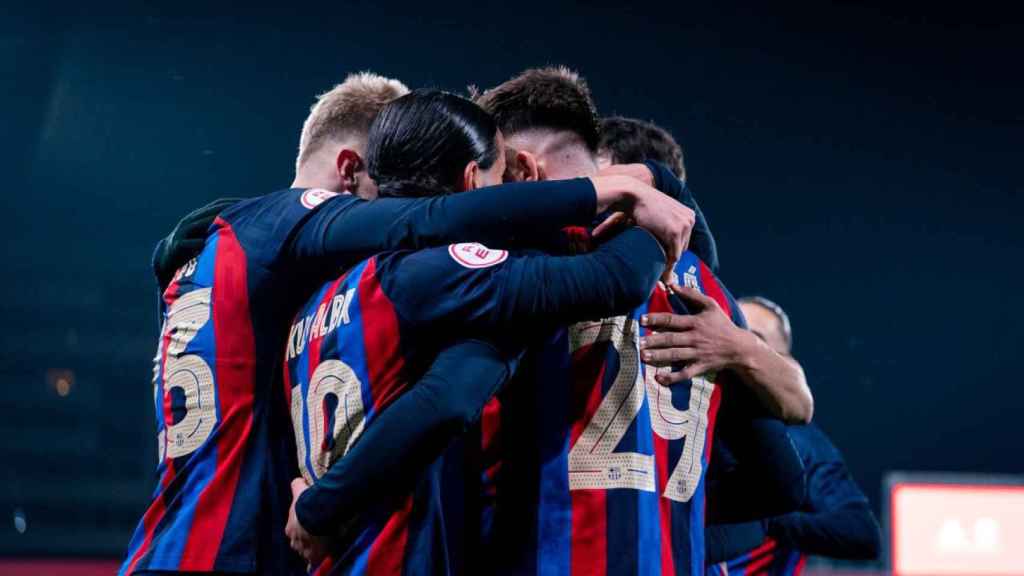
(315,196)
(475,255)
(690,278)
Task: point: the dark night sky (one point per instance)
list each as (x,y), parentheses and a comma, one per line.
(859,165)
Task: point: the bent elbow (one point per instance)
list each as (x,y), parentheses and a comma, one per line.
(800,410)
(869,546)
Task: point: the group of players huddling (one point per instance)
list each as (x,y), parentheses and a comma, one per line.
(480,336)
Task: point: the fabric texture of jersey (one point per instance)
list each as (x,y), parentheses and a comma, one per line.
(592,467)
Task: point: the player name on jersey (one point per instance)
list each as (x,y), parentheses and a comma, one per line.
(321,323)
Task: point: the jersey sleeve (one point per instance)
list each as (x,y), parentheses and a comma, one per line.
(407,436)
(339,234)
(702,242)
(472,291)
(837,520)
(768,476)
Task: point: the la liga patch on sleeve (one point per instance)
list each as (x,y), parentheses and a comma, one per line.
(476,255)
(315,196)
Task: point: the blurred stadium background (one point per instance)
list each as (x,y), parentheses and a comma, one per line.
(860,165)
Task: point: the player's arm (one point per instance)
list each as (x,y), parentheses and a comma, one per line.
(709,341)
(486,292)
(407,436)
(343,231)
(702,242)
(478,292)
(839,522)
(767,476)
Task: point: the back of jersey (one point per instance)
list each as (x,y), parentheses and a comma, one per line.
(225,316)
(345,362)
(602,468)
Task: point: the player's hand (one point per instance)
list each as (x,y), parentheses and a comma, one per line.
(186,241)
(706,341)
(669,221)
(308,546)
(638,171)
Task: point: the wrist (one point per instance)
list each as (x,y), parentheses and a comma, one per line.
(745,350)
(614,192)
(302,509)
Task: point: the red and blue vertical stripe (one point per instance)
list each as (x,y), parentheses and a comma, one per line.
(370,344)
(595,532)
(187,525)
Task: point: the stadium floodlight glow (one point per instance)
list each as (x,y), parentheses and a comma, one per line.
(952,525)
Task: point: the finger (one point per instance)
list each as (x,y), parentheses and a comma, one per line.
(666,340)
(670,378)
(695,296)
(693,370)
(298,486)
(667,321)
(668,356)
(609,225)
(667,277)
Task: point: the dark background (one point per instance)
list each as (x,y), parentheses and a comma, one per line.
(860,165)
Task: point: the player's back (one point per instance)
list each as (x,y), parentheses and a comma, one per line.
(220,470)
(601,468)
(351,351)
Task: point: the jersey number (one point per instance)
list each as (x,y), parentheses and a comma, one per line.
(191,374)
(593,461)
(332,411)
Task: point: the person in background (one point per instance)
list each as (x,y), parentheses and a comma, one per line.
(836,520)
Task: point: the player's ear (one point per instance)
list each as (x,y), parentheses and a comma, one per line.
(470,176)
(525,167)
(349,162)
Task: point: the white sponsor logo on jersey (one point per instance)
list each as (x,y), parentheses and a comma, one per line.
(315,196)
(474,255)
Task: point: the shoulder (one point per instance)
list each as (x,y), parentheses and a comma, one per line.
(692,272)
(440,264)
(266,222)
(813,444)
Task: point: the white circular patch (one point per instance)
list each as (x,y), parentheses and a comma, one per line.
(315,196)
(475,255)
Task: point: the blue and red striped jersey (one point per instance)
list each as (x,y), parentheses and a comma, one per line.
(592,467)
(211,379)
(366,337)
(226,452)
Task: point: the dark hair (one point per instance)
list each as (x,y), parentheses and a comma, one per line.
(784,325)
(554,98)
(628,141)
(420,143)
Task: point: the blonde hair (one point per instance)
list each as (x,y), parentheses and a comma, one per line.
(346,111)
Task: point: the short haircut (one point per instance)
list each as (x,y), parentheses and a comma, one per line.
(629,140)
(787,329)
(551,98)
(346,111)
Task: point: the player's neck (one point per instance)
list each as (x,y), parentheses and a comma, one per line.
(313,176)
